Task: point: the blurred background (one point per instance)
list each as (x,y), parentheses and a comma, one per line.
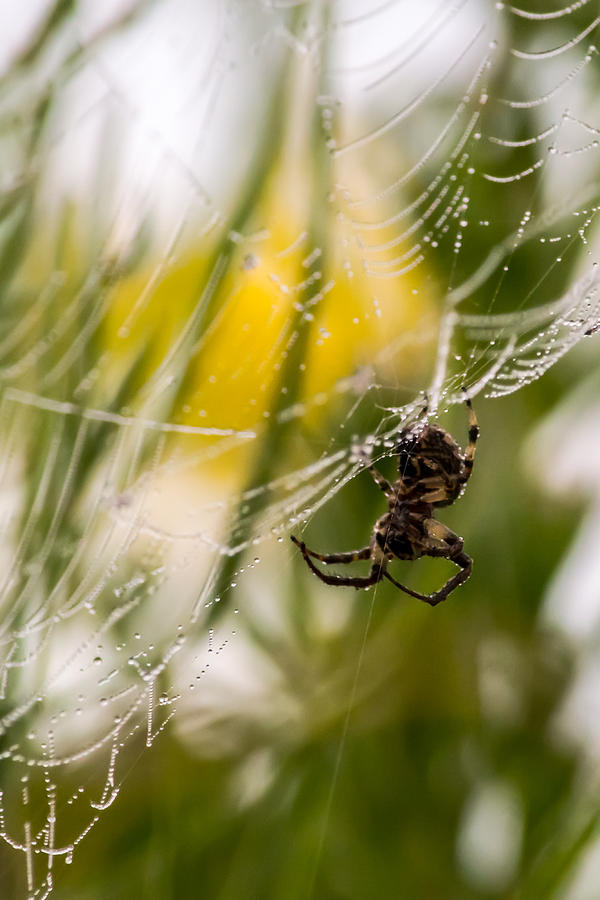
(239,241)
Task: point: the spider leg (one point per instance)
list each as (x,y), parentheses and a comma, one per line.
(436,496)
(382,482)
(374,576)
(473,435)
(443,543)
(328,558)
(434,493)
(406,590)
(441,540)
(465,562)
(378,478)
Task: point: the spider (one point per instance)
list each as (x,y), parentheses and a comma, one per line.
(433,472)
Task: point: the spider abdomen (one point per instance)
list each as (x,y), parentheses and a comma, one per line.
(431,466)
(428,451)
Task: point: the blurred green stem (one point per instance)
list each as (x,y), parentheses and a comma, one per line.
(274,437)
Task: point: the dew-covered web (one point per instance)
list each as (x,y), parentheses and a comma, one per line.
(238,243)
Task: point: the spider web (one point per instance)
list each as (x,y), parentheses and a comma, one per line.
(336,208)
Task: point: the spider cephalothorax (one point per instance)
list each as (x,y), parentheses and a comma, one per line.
(433,472)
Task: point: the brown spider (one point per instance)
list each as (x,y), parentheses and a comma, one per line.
(433,472)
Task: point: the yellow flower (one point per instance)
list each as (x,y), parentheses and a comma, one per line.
(275,284)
